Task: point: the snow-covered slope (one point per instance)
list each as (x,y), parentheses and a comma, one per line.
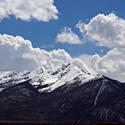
(11,78)
(47,78)
(59,76)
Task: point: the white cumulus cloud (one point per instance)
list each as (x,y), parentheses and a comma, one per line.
(40,10)
(19,55)
(111,65)
(68,36)
(106,30)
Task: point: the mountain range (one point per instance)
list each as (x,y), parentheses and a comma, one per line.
(62,94)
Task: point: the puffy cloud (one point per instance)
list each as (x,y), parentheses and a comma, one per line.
(86,58)
(112,64)
(106,30)
(82,65)
(68,36)
(41,10)
(19,55)
(12,50)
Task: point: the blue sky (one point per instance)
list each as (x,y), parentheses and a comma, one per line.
(43,34)
(91,31)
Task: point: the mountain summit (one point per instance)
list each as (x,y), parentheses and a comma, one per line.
(62,93)
(47,78)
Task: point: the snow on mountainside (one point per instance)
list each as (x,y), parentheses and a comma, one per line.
(12,78)
(47,78)
(53,78)
(56,69)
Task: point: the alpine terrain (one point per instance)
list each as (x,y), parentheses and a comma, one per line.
(63,93)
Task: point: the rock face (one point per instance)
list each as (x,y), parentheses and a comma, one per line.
(98,99)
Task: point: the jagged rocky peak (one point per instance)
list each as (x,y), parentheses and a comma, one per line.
(50,76)
(7,74)
(56,69)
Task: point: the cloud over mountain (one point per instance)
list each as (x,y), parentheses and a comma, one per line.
(108,31)
(111,64)
(103,30)
(19,55)
(40,10)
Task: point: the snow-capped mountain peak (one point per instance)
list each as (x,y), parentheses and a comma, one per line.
(47,78)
